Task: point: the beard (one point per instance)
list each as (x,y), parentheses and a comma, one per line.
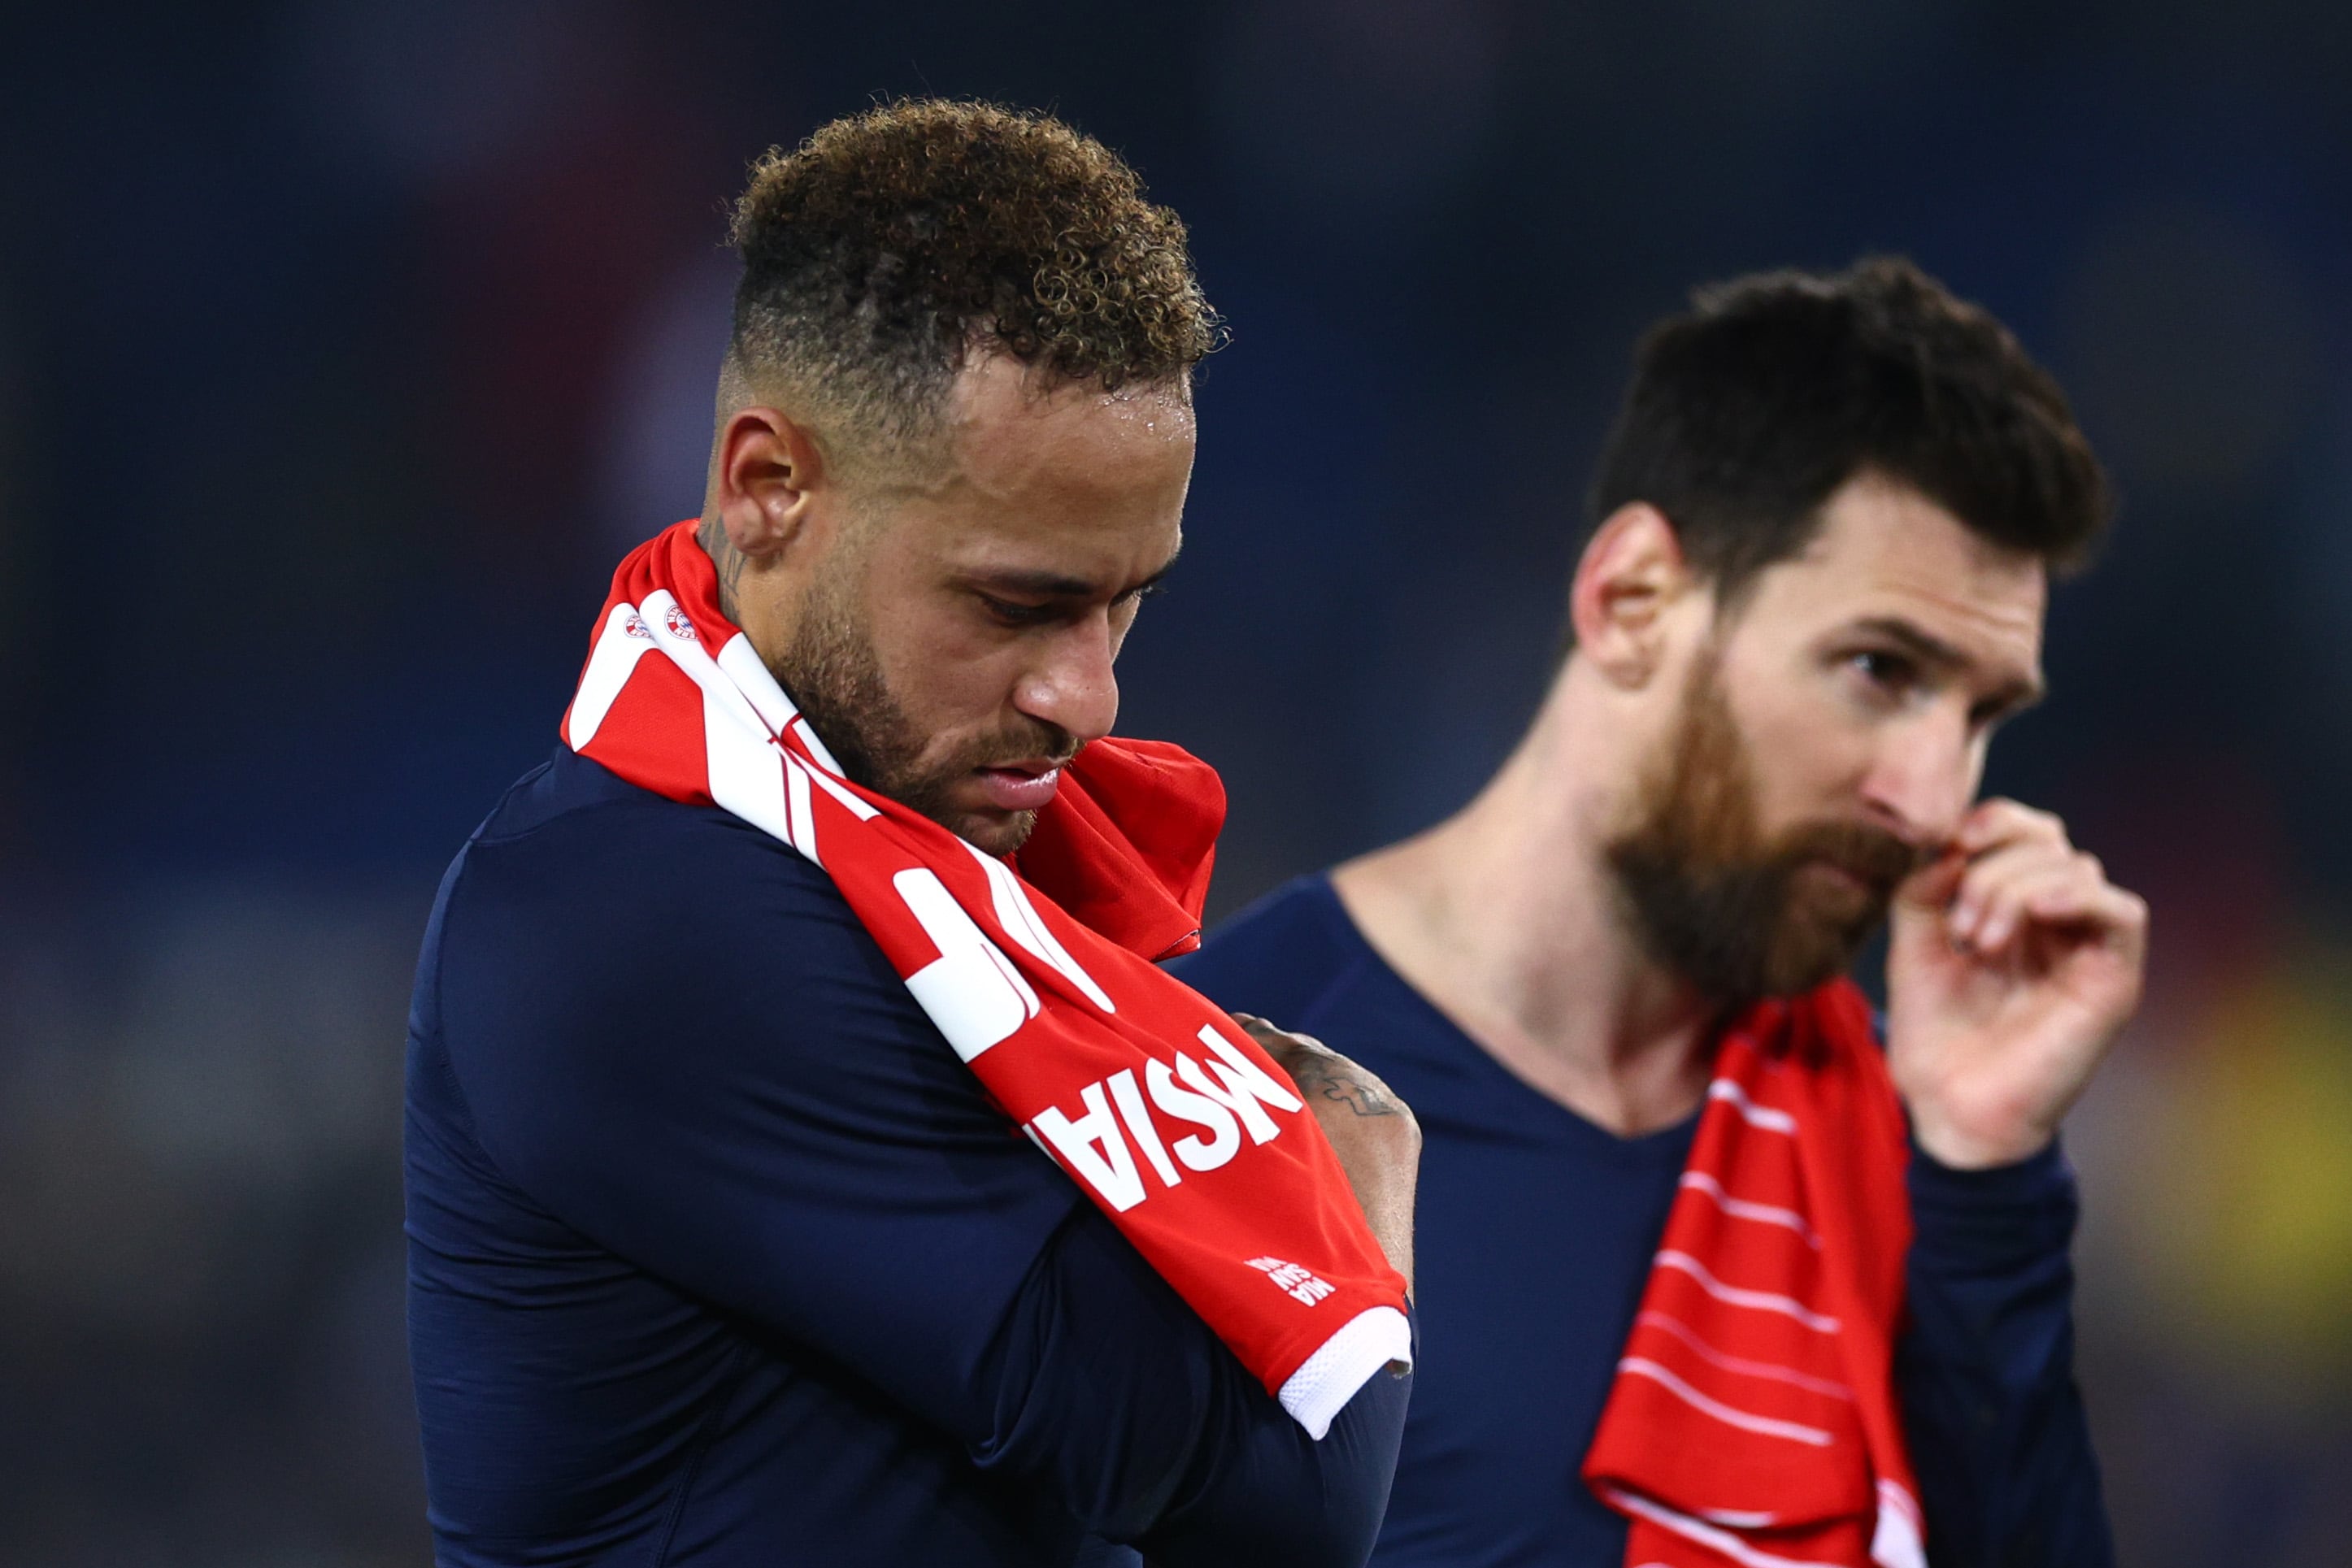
(1739,916)
(835,677)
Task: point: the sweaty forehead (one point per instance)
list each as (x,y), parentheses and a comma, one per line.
(1886,549)
(1071,463)
(1069,482)
(1006,420)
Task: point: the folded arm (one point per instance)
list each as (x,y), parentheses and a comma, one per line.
(741,1098)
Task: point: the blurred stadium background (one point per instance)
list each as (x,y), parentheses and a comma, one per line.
(343,346)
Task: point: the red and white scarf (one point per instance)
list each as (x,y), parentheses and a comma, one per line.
(1753,1420)
(1165,1113)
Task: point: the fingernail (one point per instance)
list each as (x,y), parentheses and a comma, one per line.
(1997,930)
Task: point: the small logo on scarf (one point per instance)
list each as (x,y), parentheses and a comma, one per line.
(679,626)
(636,626)
(1297,1281)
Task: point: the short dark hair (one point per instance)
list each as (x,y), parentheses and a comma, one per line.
(891,243)
(1749,411)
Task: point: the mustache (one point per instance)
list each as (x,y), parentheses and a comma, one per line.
(1872,855)
(1027,743)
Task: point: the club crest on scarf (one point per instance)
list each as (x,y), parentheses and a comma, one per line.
(1038,974)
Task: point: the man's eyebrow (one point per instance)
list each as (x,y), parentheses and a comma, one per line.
(2021,693)
(1037,584)
(1919,644)
(1053,585)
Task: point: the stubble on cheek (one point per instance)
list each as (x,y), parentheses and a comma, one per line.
(835,677)
(1739,915)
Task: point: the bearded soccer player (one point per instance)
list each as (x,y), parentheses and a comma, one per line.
(1720,1269)
(726,1243)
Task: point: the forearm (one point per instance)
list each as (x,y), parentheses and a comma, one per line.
(1996,1424)
(1111,1391)
(1277,1497)
(1385,1193)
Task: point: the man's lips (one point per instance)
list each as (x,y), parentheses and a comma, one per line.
(1021,786)
(1843,875)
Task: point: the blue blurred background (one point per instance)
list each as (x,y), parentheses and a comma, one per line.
(344,346)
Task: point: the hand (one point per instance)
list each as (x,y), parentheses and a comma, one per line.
(2012,964)
(1368,1127)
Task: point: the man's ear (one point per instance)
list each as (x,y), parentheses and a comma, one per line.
(767,468)
(1632,571)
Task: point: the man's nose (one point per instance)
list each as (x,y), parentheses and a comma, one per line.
(1071,685)
(1922,779)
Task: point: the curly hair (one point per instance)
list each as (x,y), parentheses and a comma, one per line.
(1747,411)
(892,244)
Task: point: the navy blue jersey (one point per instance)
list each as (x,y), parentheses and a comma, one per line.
(1533,1235)
(718,1255)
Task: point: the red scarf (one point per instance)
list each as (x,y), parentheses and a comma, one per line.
(1166,1113)
(1753,1419)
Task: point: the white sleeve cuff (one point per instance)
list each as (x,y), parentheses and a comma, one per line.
(1327,1380)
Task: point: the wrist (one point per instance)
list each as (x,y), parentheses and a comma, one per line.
(1957,1147)
(2024,1179)
(1998,1219)
(1965,1125)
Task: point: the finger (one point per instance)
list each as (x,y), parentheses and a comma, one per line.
(2118,915)
(1278,1042)
(2105,917)
(2013,908)
(1258,1028)
(1270,1040)
(1992,894)
(2076,892)
(1990,880)
(1996,824)
(1932,888)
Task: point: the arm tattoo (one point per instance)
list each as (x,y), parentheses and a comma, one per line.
(1328,1079)
(712,537)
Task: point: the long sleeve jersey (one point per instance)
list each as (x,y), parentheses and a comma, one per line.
(719,1256)
(1534,1231)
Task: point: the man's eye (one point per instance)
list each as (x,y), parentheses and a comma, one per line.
(1007,613)
(1891,670)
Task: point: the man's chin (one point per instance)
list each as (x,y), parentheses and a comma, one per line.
(992,831)
(964,811)
(1813,955)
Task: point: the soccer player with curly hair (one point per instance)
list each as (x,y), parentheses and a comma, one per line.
(726,1246)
